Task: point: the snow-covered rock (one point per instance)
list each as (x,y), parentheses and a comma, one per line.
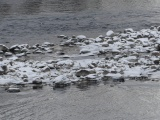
(110,33)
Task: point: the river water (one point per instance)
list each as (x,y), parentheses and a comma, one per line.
(127,101)
(31,21)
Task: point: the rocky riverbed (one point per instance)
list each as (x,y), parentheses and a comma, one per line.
(78,60)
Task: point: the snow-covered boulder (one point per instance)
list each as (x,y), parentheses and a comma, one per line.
(110,33)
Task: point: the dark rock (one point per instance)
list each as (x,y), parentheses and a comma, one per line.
(73,36)
(61,53)
(139,36)
(65,37)
(105,72)
(1,58)
(107,58)
(158,47)
(25,80)
(113,71)
(4,48)
(3,69)
(101,52)
(158,28)
(15,49)
(152,27)
(121,79)
(106,78)
(136,64)
(37,82)
(37,86)
(156,62)
(61,84)
(84,72)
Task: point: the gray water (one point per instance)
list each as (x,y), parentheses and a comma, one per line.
(127,101)
(31,21)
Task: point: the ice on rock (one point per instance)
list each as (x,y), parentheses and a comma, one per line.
(65,62)
(135,71)
(14,58)
(13,89)
(47,44)
(91,78)
(113,77)
(157,41)
(24,50)
(92,48)
(8,79)
(45,69)
(81,37)
(129,30)
(41,64)
(131,44)
(105,44)
(8,54)
(144,41)
(115,51)
(123,35)
(154,34)
(131,58)
(82,64)
(116,39)
(61,81)
(130,39)
(110,33)
(98,39)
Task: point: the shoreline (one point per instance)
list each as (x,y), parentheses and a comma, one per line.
(113,58)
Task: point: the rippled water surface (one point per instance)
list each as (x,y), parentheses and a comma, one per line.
(40,20)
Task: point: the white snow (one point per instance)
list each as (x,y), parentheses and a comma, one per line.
(110,33)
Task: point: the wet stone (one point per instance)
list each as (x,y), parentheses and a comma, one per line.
(3,69)
(121,79)
(156,62)
(4,48)
(83,73)
(60,85)
(106,78)
(37,82)
(37,86)
(25,80)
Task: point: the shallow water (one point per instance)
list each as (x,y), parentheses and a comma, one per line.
(128,101)
(31,21)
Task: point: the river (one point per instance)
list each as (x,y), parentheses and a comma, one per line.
(36,21)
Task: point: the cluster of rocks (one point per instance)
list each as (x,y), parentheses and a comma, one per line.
(117,57)
(24,49)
